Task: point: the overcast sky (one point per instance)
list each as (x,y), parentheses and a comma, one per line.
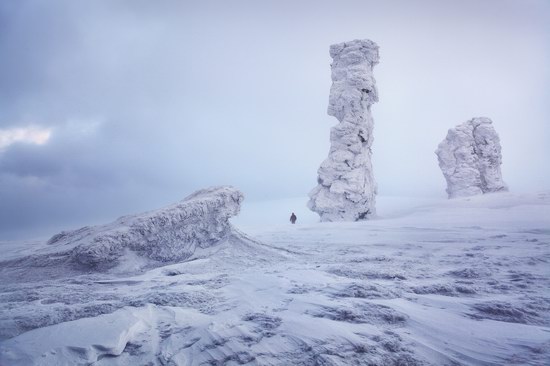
(114,107)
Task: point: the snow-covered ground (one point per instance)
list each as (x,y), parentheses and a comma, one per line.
(439,282)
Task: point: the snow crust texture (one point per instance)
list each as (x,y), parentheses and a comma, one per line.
(346,187)
(470,159)
(450,282)
(169,234)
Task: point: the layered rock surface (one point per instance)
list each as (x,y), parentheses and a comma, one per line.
(168,234)
(470,159)
(346,187)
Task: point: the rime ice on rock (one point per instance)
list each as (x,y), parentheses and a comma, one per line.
(470,159)
(346,187)
(168,234)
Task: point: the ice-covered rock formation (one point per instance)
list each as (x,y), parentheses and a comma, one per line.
(168,234)
(470,159)
(346,187)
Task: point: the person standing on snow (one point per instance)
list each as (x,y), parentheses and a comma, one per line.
(293,218)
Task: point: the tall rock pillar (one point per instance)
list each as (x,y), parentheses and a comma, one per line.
(346,187)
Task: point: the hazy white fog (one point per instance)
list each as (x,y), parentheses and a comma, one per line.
(122,106)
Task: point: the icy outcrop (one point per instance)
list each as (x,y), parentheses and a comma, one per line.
(346,187)
(168,234)
(470,159)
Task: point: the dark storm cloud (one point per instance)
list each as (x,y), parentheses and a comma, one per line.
(148,101)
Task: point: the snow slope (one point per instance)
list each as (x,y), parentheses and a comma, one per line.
(445,282)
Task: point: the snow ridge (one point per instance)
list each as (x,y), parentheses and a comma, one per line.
(168,234)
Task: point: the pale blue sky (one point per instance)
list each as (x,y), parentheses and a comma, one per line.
(145,102)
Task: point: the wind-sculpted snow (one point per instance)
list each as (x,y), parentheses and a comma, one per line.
(346,187)
(453,282)
(169,234)
(470,159)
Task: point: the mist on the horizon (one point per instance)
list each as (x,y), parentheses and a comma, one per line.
(108,108)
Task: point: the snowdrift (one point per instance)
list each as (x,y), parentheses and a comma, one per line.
(441,282)
(168,234)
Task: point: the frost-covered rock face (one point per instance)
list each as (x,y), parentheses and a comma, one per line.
(168,234)
(346,187)
(470,159)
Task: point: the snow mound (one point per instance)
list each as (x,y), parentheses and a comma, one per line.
(470,159)
(346,187)
(90,340)
(168,234)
